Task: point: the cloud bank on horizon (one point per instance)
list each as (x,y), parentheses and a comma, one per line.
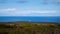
(29,7)
(16,12)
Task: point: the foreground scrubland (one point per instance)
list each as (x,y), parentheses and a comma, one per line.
(29,28)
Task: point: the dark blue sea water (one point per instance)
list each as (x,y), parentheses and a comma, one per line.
(30,18)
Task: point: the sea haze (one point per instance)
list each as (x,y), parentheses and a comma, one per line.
(30,18)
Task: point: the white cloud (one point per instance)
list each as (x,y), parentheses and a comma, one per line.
(16,12)
(8,9)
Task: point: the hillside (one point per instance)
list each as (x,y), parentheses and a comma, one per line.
(29,28)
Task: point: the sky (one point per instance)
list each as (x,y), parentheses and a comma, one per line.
(29,7)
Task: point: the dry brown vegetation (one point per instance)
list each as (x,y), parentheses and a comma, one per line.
(29,28)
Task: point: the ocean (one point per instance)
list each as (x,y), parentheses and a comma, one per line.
(30,18)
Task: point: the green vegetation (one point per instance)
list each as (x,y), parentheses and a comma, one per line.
(29,28)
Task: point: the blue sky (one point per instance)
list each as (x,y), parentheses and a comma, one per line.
(29,7)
